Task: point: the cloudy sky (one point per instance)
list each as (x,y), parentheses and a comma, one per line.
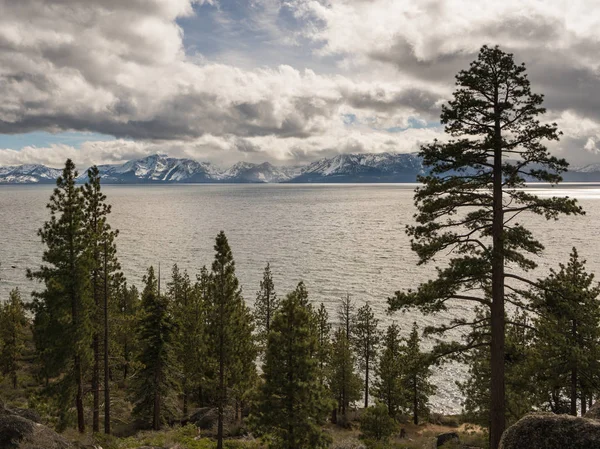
(281,80)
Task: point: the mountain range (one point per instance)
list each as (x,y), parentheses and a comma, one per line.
(350,168)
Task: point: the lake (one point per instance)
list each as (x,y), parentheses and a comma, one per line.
(337,238)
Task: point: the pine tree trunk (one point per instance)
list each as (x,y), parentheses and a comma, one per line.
(497,406)
(221,381)
(79,396)
(156,411)
(96,366)
(96,385)
(583,404)
(574,375)
(415,403)
(367,379)
(185,397)
(106,351)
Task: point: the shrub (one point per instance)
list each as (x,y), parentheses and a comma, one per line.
(376,423)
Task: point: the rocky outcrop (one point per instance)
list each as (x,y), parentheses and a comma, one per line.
(447,437)
(19,430)
(549,431)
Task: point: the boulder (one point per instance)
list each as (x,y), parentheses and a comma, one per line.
(593,412)
(549,431)
(444,438)
(206,417)
(19,432)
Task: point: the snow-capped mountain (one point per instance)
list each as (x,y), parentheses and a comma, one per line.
(158,168)
(382,167)
(28,174)
(260,173)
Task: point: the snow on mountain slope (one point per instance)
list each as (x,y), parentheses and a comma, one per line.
(159,168)
(28,174)
(259,173)
(383,166)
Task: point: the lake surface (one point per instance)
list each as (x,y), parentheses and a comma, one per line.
(338,239)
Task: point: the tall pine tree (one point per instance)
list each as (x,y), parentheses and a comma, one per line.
(156,384)
(389,370)
(470,200)
(292,402)
(64,308)
(415,379)
(323,353)
(225,327)
(265,306)
(366,341)
(567,337)
(345,384)
(188,311)
(105,278)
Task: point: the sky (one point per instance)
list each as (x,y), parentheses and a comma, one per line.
(285,81)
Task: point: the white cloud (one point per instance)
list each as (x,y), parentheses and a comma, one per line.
(119,68)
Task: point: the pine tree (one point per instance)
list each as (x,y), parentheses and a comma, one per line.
(224,309)
(205,373)
(521,397)
(366,341)
(244,376)
(156,385)
(345,384)
(105,278)
(417,371)
(188,312)
(388,373)
(471,197)
(292,402)
(323,353)
(346,315)
(127,317)
(64,309)
(265,306)
(567,338)
(13,325)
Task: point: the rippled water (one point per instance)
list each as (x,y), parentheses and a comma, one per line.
(337,238)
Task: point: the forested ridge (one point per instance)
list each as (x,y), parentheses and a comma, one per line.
(186,354)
